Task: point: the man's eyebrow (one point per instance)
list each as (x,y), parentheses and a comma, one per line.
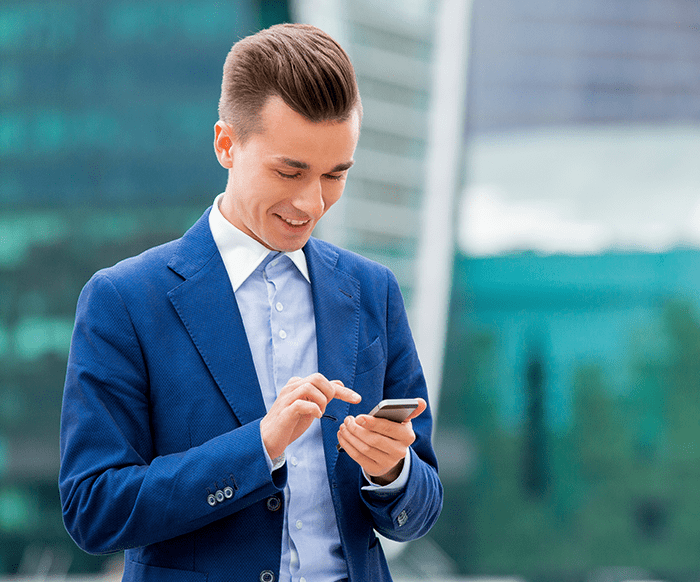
(342,167)
(292,163)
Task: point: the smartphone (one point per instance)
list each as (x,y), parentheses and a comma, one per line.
(396,409)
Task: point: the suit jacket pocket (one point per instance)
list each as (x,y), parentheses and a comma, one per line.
(369,357)
(145,573)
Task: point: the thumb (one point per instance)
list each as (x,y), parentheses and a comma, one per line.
(422,405)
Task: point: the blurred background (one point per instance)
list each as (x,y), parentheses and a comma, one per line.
(528,169)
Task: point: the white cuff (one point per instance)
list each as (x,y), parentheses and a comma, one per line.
(273,464)
(396,484)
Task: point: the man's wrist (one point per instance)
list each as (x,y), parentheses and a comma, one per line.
(388,477)
(398,483)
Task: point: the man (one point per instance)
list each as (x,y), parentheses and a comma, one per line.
(212,380)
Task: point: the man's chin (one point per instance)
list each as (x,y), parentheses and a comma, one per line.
(288,244)
(282,244)
(290,248)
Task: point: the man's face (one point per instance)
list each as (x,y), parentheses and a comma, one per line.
(285,178)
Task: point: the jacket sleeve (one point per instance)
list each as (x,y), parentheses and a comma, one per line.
(116,493)
(409,513)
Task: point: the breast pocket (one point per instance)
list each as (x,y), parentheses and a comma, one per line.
(370,357)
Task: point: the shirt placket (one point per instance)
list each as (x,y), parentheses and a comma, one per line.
(278,333)
(290,347)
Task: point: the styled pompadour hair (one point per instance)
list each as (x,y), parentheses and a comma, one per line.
(299,63)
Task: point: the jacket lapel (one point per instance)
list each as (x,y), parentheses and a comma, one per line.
(207,306)
(336,298)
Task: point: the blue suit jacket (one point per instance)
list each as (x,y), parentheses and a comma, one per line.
(162,408)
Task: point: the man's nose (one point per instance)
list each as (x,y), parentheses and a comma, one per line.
(310,199)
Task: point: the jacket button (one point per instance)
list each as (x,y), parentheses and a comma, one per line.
(273,503)
(211,500)
(267,576)
(220,495)
(228,492)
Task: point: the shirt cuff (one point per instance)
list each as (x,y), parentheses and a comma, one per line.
(397,484)
(273,464)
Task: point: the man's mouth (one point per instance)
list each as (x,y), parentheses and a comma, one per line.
(295,222)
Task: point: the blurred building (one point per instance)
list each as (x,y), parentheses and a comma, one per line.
(567,436)
(571,443)
(108,109)
(547,63)
(391,46)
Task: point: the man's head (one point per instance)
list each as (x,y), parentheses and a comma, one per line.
(299,63)
(289,123)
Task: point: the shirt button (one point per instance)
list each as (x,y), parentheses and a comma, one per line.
(279,306)
(267,576)
(220,495)
(302,579)
(299,524)
(211,500)
(228,492)
(283,334)
(294,461)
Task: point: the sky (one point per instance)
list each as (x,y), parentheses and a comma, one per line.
(582,190)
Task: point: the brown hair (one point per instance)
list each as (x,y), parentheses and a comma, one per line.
(297,62)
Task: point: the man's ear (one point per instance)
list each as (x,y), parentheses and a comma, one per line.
(223,140)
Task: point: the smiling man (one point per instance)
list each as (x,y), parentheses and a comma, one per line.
(213,380)
(285,178)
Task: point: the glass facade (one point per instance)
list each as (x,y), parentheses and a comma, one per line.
(106,129)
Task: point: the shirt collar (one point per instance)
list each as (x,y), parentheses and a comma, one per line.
(241,253)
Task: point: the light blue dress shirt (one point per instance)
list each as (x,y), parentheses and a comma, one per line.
(273,292)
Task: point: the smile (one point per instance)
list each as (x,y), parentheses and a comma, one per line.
(295,222)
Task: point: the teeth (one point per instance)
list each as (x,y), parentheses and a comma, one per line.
(295,222)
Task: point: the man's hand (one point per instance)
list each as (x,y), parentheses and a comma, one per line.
(298,403)
(377,444)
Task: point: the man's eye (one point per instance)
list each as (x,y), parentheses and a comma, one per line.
(288,176)
(336,178)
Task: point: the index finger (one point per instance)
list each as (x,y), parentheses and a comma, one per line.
(345,394)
